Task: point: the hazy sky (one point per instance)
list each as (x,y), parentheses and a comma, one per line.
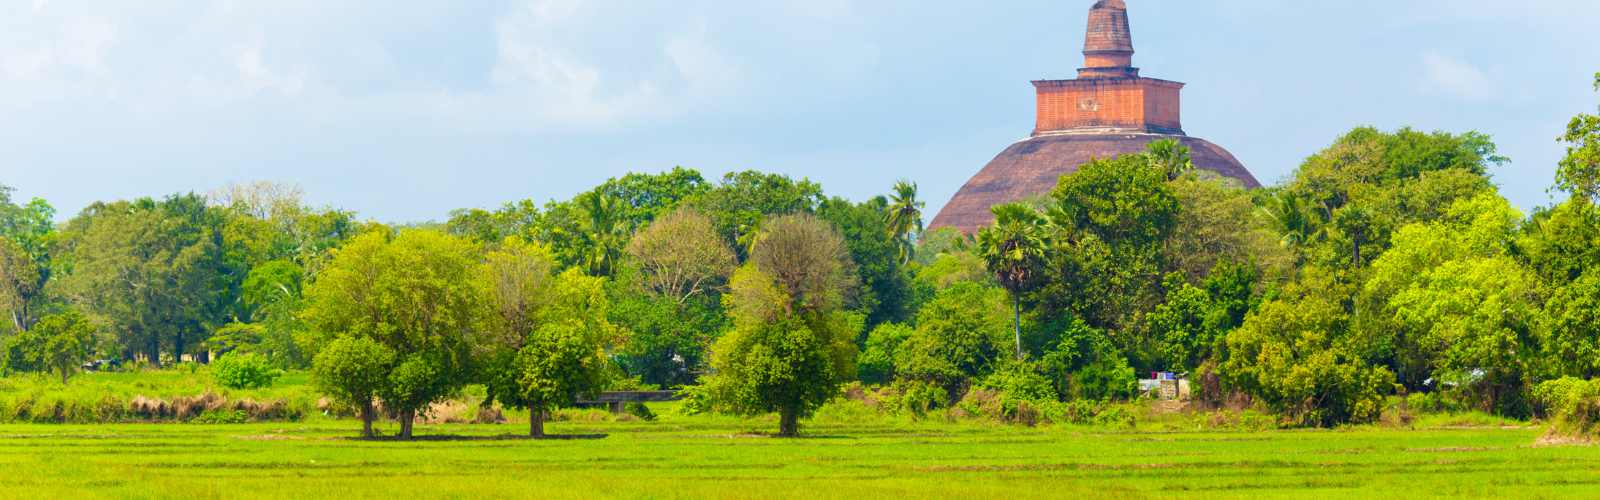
(403,110)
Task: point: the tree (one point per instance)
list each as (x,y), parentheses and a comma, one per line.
(60,342)
(808,258)
(742,200)
(791,346)
(905,217)
(154,269)
(565,356)
(960,335)
(545,340)
(1013,248)
(1579,172)
(1460,303)
(1170,158)
(1294,354)
(1219,223)
(885,288)
(352,369)
(876,364)
(413,293)
(1572,321)
(681,256)
(20,285)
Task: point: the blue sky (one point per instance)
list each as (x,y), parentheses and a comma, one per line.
(403,110)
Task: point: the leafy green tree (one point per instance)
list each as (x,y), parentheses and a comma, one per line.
(592,228)
(60,342)
(905,217)
(742,200)
(960,336)
(352,369)
(1461,303)
(1294,354)
(876,363)
(667,340)
(1365,186)
(21,283)
(154,269)
(791,346)
(1579,171)
(29,225)
(885,286)
(1170,157)
(1108,226)
(565,356)
(1191,324)
(1571,320)
(1014,249)
(414,294)
(1219,223)
(933,243)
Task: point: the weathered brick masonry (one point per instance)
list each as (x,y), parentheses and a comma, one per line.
(1109,110)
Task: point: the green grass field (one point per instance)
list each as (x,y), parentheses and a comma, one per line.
(714,457)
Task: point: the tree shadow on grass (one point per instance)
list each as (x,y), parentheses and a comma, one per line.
(497,437)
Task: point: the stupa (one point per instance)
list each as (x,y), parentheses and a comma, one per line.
(1109,110)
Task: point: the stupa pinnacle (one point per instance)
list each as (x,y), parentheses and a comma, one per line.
(1109,110)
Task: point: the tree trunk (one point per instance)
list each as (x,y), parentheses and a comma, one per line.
(1016,309)
(535,423)
(406,419)
(66,373)
(789,422)
(367,416)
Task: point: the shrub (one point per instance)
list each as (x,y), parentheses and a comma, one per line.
(696,400)
(920,397)
(641,411)
(1572,404)
(245,371)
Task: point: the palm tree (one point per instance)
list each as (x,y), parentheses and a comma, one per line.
(905,217)
(604,232)
(1014,249)
(1289,219)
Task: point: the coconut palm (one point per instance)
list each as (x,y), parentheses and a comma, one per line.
(1014,250)
(604,232)
(905,217)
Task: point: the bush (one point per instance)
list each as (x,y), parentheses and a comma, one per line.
(919,397)
(245,371)
(641,411)
(1572,404)
(696,400)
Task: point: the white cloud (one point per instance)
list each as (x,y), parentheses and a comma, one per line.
(1454,77)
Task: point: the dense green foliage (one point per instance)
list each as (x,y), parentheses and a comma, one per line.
(1386,265)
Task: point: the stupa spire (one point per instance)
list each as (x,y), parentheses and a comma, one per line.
(1108,44)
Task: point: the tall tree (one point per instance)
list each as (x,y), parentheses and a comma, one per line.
(742,200)
(1579,171)
(565,356)
(681,256)
(414,294)
(154,269)
(1014,249)
(905,217)
(884,292)
(21,282)
(791,346)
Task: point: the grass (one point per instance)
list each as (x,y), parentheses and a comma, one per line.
(716,457)
(849,451)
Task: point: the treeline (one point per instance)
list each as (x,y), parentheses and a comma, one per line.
(1388,264)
